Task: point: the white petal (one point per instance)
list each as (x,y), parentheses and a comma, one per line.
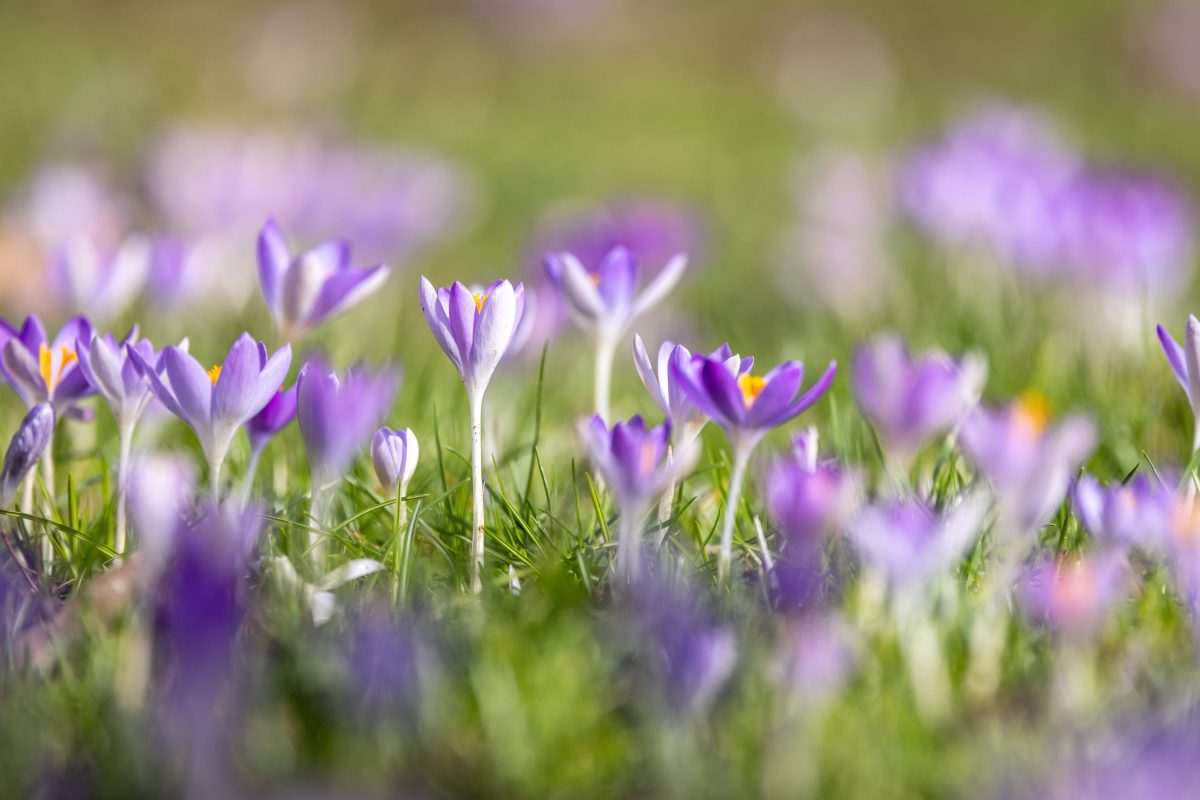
(582,295)
(653,294)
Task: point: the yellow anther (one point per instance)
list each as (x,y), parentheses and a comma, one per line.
(1033,412)
(52,373)
(752,386)
(595,278)
(480,299)
(214,373)
(45,367)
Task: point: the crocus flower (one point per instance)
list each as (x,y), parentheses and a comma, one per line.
(816,659)
(264,426)
(632,459)
(215,403)
(1030,464)
(1073,595)
(119,380)
(304,291)
(475,331)
(1122,515)
(747,406)
(336,416)
(98,282)
(25,449)
(41,370)
(810,501)
(1185,363)
(318,595)
(1157,762)
(910,401)
(394,454)
(603,298)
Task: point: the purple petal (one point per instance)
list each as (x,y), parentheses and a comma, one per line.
(23,373)
(617,280)
(346,289)
(811,396)
(270,378)
(150,372)
(460,312)
(781,386)
(494,331)
(439,325)
(725,395)
(641,360)
(234,391)
(1175,357)
(273,259)
(32,334)
(191,387)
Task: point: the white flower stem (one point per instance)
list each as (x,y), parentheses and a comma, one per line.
(48,504)
(251,471)
(667,501)
(476,401)
(126,447)
(742,450)
(316,514)
(628,539)
(606,346)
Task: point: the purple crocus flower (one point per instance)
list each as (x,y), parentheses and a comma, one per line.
(41,370)
(25,449)
(603,299)
(112,372)
(747,406)
(685,418)
(1029,463)
(632,459)
(910,401)
(304,291)
(1122,515)
(475,331)
(336,416)
(1146,763)
(817,658)
(1074,595)
(1185,363)
(215,403)
(810,501)
(99,282)
(394,454)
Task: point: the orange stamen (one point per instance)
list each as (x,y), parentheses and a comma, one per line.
(214,373)
(480,299)
(752,386)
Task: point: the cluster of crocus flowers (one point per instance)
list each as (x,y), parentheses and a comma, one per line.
(912,400)
(215,403)
(632,458)
(305,290)
(747,407)
(474,330)
(603,298)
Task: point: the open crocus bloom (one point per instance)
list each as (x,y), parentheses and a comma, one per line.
(42,370)
(304,291)
(110,370)
(686,419)
(1137,513)
(605,296)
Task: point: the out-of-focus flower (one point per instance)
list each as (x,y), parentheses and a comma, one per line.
(685,418)
(304,291)
(394,454)
(318,595)
(818,656)
(1029,463)
(336,417)
(161,491)
(475,331)
(1074,595)
(40,370)
(385,657)
(276,415)
(632,459)
(65,201)
(747,406)
(604,300)
(910,401)
(835,252)
(25,449)
(1123,515)
(98,282)
(1163,762)
(215,403)
(910,543)
(810,501)
(1185,363)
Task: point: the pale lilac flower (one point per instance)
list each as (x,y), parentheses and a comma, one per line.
(475,331)
(911,544)
(747,406)
(25,449)
(1075,594)
(97,281)
(604,299)
(816,659)
(305,290)
(1185,363)
(633,460)
(685,418)
(910,400)
(1123,515)
(42,370)
(1029,463)
(215,403)
(394,454)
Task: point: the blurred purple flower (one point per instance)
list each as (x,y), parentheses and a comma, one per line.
(911,544)
(1146,763)
(276,415)
(1185,363)
(1029,463)
(632,459)
(25,449)
(161,492)
(910,401)
(42,371)
(64,201)
(816,659)
(91,279)
(385,656)
(217,402)
(1073,595)
(304,291)
(1123,515)
(685,418)
(336,417)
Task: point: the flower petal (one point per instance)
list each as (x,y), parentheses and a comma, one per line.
(663,283)
(344,290)
(191,388)
(273,260)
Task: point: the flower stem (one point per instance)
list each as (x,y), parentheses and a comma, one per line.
(628,537)
(251,471)
(119,535)
(741,459)
(48,505)
(476,401)
(606,347)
